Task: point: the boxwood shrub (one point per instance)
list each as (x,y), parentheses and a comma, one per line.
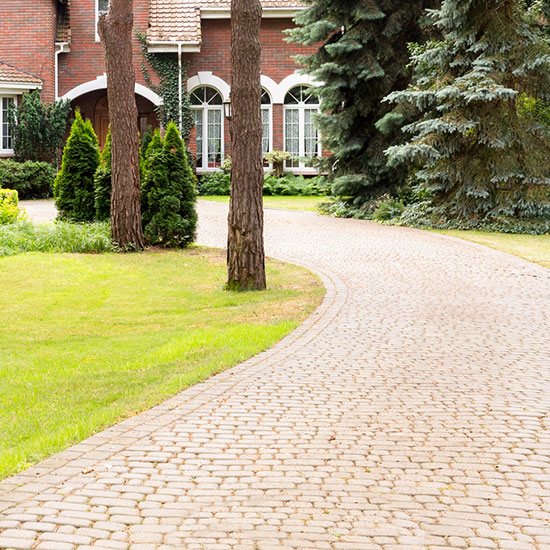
(8,206)
(31,179)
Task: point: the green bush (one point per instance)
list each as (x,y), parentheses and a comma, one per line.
(39,128)
(168,208)
(32,180)
(9,212)
(214,183)
(102,183)
(147,181)
(290,184)
(277,160)
(23,236)
(388,208)
(219,183)
(74,185)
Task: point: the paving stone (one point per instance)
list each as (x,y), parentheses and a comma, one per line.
(410,411)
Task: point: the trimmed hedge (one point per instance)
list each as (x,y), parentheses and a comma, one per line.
(31,179)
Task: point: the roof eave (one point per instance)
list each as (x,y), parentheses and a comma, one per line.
(267,13)
(18,87)
(172,46)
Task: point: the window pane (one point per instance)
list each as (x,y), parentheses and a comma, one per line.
(214,138)
(292,135)
(293,96)
(308,96)
(102,6)
(197,96)
(310,134)
(265,131)
(266,100)
(5,130)
(197,113)
(212,97)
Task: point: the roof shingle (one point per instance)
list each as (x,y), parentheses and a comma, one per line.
(11,75)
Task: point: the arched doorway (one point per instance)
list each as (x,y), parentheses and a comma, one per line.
(94,105)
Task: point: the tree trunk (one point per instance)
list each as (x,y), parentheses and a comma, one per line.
(115,30)
(245,246)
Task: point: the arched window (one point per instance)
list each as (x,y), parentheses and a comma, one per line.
(301,138)
(266,122)
(207,106)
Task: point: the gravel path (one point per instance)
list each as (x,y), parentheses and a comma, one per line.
(410,411)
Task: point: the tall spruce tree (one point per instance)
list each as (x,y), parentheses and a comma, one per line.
(482,157)
(363,57)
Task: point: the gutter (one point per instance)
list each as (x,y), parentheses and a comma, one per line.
(63,48)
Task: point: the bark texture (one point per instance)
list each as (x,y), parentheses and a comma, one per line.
(115,31)
(245,245)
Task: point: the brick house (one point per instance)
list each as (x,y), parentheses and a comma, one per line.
(53,45)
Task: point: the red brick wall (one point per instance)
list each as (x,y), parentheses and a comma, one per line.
(27,31)
(277,62)
(85,60)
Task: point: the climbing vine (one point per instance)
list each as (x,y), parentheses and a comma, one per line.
(166,67)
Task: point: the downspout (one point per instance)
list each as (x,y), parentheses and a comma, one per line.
(61,46)
(180,88)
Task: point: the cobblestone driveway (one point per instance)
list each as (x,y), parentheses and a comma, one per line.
(411,411)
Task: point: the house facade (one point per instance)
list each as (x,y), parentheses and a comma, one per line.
(53,45)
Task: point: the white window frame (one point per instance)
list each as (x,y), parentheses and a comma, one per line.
(269,108)
(301,108)
(96,20)
(2,97)
(205,107)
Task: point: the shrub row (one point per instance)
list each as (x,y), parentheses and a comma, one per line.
(32,180)
(219,183)
(82,188)
(412,207)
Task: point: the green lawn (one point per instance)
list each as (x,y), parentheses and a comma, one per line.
(288,202)
(87,340)
(534,248)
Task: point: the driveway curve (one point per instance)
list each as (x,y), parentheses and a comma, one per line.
(410,411)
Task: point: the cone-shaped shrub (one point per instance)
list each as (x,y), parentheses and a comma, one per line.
(74,185)
(169,214)
(102,182)
(147,179)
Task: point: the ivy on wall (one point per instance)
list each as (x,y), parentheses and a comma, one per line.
(166,67)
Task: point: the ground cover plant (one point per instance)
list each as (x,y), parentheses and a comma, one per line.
(117,334)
